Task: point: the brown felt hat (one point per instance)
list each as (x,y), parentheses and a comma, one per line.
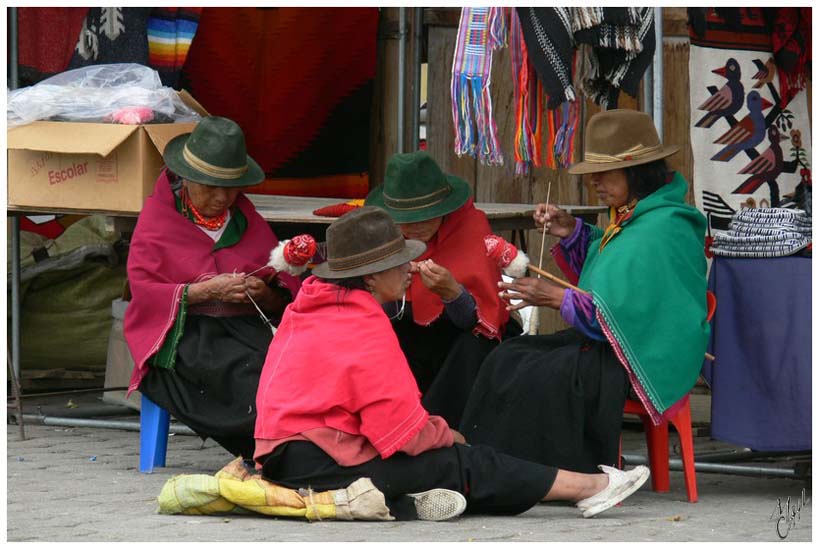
(365,241)
(618,139)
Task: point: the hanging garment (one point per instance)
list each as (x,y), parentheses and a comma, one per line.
(298,81)
(170,33)
(112,35)
(46,39)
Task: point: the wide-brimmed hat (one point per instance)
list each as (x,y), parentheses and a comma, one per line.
(415,189)
(213,154)
(618,139)
(365,241)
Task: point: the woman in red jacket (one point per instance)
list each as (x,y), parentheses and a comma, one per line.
(337,400)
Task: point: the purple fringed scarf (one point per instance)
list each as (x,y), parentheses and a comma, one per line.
(480,31)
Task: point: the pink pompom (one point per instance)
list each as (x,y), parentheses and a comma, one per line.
(133,115)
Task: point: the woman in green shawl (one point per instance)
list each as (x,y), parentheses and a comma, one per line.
(640,328)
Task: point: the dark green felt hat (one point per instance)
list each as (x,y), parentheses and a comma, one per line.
(415,189)
(213,154)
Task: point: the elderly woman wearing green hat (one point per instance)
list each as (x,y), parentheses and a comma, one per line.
(194,324)
(640,322)
(451,317)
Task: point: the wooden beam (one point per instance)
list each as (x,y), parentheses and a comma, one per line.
(442,17)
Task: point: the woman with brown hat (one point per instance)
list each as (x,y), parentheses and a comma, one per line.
(640,324)
(337,400)
(192,325)
(451,317)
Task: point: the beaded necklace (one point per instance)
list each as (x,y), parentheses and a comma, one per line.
(211,224)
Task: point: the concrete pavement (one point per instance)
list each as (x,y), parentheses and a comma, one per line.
(82,484)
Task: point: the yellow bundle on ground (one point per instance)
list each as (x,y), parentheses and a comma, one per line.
(233,490)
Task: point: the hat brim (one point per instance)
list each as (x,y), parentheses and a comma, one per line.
(178,165)
(458,196)
(595,167)
(412,250)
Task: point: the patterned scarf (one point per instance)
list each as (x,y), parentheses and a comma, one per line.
(480,31)
(170,33)
(791,44)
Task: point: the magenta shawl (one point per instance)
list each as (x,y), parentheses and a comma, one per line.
(167,252)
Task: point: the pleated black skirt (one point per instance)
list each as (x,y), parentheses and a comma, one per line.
(212,388)
(555,399)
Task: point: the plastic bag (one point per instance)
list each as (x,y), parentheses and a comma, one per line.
(96,93)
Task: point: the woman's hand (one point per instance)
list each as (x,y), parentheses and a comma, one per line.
(531,292)
(438,279)
(457,437)
(226,287)
(559,223)
(264,296)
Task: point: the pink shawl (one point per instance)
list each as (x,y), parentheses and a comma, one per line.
(167,252)
(335,362)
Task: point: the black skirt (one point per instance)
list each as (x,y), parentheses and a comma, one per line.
(556,399)
(445,361)
(212,388)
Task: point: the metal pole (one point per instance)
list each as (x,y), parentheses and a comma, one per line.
(418,25)
(15,220)
(400,93)
(110,424)
(705,467)
(657,74)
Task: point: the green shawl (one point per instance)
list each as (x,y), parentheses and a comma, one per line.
(649,286)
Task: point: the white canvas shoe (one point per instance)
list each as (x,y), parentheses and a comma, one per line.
(439,504)
(621,485)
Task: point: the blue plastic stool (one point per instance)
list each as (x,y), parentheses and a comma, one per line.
(154,423)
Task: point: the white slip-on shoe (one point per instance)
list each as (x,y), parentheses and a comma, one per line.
(439,504)
(621,485)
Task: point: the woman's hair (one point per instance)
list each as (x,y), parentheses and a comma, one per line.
(645,179)
(346,285)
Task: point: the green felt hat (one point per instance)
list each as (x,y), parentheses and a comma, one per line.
(415,189)
(213,154)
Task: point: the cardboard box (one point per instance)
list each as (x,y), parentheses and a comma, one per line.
(88,167)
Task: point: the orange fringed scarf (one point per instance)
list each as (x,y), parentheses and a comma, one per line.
(459,246)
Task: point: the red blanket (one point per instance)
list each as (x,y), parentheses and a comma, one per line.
(335,362)
(167,252)
(459,246)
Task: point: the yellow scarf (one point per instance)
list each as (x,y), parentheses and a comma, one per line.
(616,218)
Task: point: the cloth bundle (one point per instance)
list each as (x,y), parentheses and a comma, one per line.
(234,490)
(764,233)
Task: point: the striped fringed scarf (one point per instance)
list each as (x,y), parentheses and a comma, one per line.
(170,33)
(528,94)
(480,31)
(565,123)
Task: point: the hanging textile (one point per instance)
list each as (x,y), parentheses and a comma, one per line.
(112,35)
(299,81)
(791,44)
(528,98)
(46,39)
(749,151)
(170,33)
(480,31)
(616,45)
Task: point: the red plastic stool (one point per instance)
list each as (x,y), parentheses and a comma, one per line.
(657,445)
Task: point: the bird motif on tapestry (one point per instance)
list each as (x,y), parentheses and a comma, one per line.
(726,101)
(766,167)
(765,72)
(746,133)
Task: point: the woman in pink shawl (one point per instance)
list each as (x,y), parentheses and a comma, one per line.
(194,325)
